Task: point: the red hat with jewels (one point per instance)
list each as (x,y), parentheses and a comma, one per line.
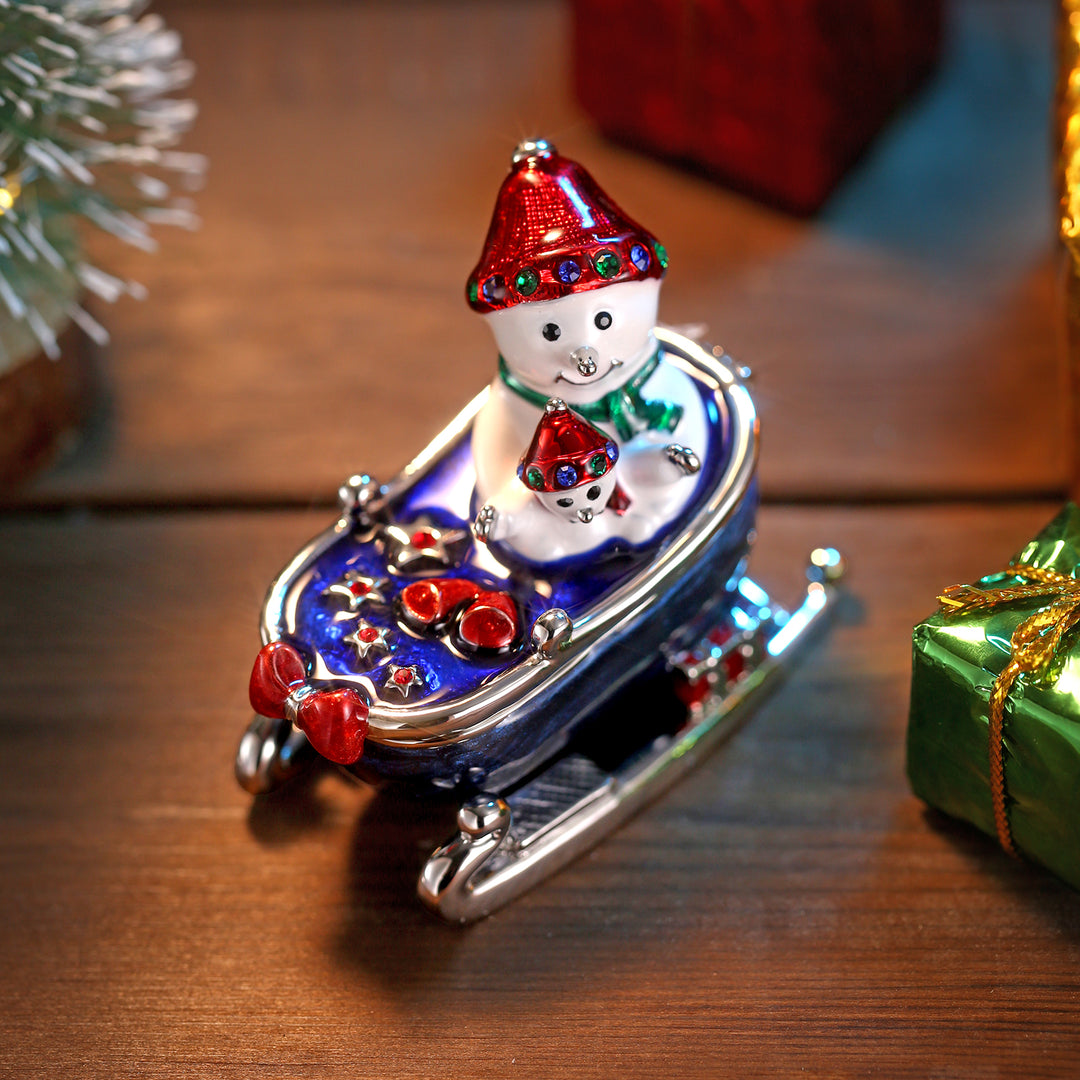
(566,451)
(555,232)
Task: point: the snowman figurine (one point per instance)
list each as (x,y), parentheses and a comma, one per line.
(569,286)
(568,472)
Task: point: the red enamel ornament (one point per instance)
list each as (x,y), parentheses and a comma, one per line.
(279,669)
(561,439)
(491,622)
(336,724)
(734,664)
(554,232)
(432,601)
(619,501)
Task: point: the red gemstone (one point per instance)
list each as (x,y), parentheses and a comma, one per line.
(423,538)
(368,634)
(359,588)
(403,676)
(430,602)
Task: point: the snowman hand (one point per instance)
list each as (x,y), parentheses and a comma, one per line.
(484,525)
(683,458)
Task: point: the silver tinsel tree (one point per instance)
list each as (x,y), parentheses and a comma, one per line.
(87,126)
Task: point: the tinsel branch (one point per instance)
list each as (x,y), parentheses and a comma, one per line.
(87,130)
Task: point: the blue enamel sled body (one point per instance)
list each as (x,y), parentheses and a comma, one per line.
(510,732)
(482,723)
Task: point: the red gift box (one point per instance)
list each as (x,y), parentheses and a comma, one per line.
(777,97)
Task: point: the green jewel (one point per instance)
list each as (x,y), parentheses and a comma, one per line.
(661,254)
(607,264)
(534,478)
(473,291)
(527,281)
(598,464)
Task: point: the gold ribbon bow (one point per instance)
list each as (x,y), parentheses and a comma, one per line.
(1032,649)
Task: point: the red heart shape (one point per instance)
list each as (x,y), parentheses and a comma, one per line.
(490,622)
(278,669)
(431,601)
(335,722)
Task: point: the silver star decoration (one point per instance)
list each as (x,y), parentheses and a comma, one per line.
(423,546)
(359,589)
(367,637)
(405,685)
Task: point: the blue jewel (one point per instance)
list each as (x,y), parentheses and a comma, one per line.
(568,271)
(494,289)
(566,476)
(612,451)
(639,256)
(520,469)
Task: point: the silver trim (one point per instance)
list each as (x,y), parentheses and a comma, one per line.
(271,752)
(504,846)
(471,714)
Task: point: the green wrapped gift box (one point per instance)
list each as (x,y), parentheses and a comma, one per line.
(957,658)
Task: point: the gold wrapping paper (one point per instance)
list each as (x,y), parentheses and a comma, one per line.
(1068,180)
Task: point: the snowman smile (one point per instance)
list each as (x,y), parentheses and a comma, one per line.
(587,370)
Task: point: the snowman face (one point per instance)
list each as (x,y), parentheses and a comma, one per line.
(580,504)
(581,346)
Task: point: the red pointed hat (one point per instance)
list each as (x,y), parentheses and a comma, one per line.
(566,451)
(555,232)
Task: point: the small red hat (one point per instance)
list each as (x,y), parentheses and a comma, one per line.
(555,232)
(566,451)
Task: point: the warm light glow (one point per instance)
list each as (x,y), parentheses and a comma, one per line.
(9,192)
(1069,120)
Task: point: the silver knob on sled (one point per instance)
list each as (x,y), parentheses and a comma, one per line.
(551,631)
(359,495)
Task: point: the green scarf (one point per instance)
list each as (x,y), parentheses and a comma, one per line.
(623,407)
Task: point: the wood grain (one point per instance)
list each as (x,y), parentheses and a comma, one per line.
(790,908)
(316,325)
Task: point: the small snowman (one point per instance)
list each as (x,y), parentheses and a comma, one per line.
(569,286)
(567,483)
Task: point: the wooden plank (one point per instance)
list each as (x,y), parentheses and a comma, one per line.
(790,908)
(316,325)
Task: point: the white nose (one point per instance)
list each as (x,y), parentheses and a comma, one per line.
(585,360)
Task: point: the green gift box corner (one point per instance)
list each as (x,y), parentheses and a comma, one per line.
(956,660)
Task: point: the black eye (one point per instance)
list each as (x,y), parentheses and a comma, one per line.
(565,502)
(593,493)
(551,331)
(603,320)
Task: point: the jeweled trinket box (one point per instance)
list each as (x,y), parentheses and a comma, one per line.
(488,624)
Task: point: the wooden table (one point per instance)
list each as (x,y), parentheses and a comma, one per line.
(791,908)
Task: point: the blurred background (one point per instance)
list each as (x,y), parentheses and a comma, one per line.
(315,325)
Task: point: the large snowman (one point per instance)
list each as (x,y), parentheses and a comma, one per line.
(570,286)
